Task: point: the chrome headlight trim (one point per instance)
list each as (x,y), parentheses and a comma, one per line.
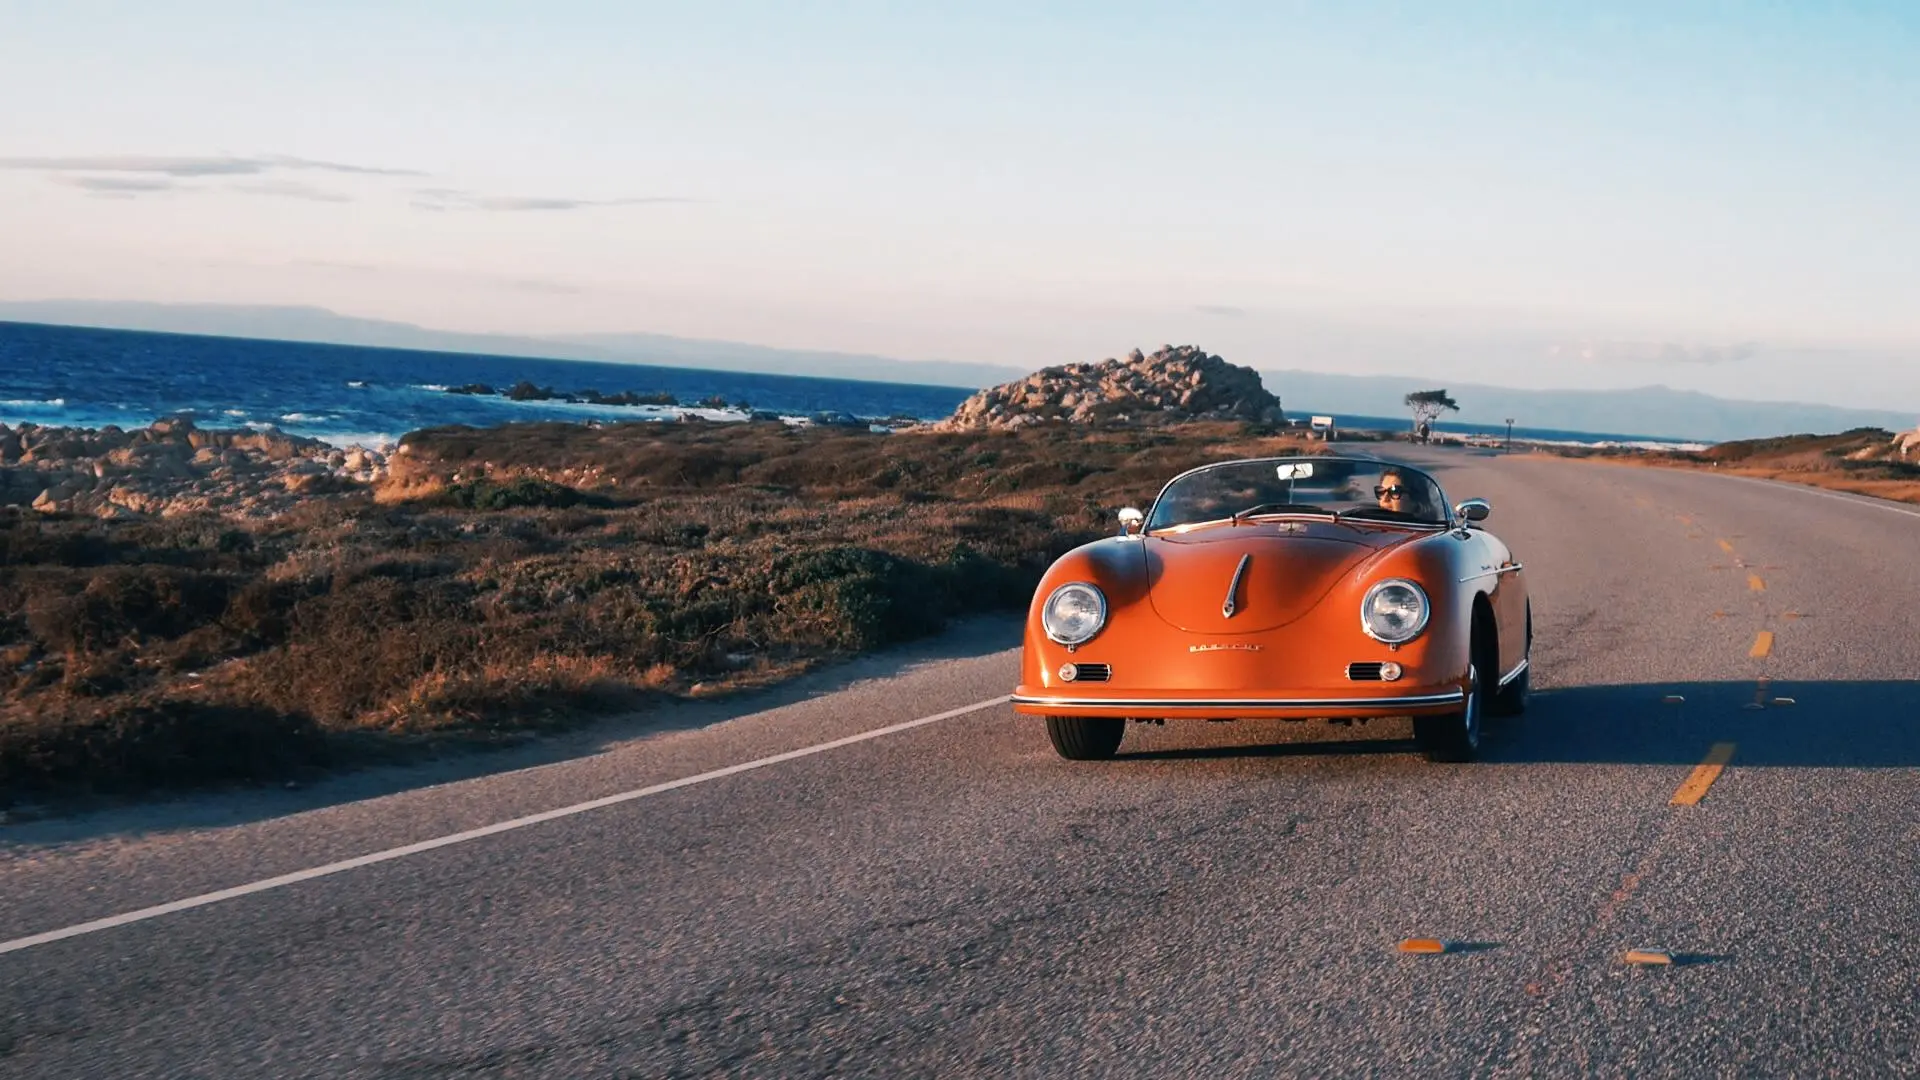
(1366,611)
(1099,603)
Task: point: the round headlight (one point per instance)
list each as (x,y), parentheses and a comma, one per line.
(1394,612)
(1074,613)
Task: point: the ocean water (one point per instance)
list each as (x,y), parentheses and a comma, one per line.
(1499,431)
(348,394)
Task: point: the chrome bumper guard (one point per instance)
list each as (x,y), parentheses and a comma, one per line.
(1453,697)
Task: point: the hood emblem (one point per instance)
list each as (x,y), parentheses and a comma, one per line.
(1227,609)
(1235,647)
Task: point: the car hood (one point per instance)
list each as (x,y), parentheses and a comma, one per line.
(1289,567)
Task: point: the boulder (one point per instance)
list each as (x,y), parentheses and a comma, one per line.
(1172,385)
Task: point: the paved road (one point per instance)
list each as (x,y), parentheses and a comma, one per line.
(951,899)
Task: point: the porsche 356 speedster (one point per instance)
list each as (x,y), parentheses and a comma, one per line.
(1289,588)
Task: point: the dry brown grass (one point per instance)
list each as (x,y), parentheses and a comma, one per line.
(518,579)
(1861,462)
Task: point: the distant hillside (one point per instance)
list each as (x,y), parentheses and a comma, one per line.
(1653,411)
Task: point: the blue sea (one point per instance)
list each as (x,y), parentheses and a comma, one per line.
(346,394)
(350,394)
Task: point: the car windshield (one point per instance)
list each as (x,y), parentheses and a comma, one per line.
(1363,490)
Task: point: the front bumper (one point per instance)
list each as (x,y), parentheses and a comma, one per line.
(1052,702)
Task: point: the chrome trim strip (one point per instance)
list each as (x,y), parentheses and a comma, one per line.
(1515,673)
(1452,697)
(1233,588)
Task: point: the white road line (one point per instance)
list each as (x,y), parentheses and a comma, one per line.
(474,834)
(1845,497)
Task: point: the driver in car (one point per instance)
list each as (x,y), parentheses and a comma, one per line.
(1402,496)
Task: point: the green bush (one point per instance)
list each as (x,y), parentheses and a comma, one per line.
(525,491)
(870,598)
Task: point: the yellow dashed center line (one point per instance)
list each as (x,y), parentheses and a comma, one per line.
(1754,583)
(1703,775)
(1762,645)
(1726,546)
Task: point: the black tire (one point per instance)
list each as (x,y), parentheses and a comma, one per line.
(1085,738)
(1454,736)
(1511,700)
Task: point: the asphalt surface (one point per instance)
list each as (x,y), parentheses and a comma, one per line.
(1223,900)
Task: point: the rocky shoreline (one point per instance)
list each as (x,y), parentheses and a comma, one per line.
(173,467)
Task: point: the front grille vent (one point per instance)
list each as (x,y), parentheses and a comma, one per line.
(1364,672)
(1092,672)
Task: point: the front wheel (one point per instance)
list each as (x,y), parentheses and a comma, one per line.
(1085,738)
(1453,736)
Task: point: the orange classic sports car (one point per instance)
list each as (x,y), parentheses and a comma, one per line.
(1288,588)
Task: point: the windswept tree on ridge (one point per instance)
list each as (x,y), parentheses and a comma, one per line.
(1426,406)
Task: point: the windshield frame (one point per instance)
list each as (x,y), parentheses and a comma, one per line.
(1446,504)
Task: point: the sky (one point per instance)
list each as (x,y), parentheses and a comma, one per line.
(1708,196)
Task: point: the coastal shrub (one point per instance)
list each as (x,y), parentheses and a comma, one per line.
(28,541)
(156,744)
(123,603)
(523,491)
(867,598)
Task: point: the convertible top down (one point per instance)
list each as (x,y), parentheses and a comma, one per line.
(1293,588)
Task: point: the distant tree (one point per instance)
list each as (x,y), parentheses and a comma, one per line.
(1426,405)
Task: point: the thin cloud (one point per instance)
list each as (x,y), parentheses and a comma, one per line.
(117,186)
(511,204)
(218,165)
(544,286)
(1654,352)
(292,189)
(1225,311)
(451,199)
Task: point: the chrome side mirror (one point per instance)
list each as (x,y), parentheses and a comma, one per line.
(1130,521)
(1473,510)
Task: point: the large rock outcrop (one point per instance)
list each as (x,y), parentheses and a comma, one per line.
(1907,443)
(172,467)
(1173,384)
